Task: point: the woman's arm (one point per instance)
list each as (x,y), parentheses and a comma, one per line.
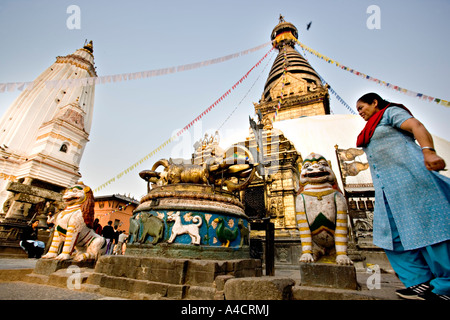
(424,138)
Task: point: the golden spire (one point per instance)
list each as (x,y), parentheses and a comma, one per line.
(284,33)
(89,47)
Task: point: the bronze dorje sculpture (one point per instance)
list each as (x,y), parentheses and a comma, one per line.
(234,170)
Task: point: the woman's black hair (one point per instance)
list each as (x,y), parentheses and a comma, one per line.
(370,97)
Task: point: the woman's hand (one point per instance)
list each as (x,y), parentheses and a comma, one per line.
(433,162)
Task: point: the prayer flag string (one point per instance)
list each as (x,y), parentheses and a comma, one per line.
(410,93)
(245,96)
(121,208)
(68,83)
(338,97)
(184,129)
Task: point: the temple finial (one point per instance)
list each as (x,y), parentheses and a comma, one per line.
(89,47)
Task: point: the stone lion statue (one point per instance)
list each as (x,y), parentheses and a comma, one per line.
(73,227)
(321,212)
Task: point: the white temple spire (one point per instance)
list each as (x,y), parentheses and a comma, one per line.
(46,128)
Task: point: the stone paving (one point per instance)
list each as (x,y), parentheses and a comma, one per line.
(13,263)
(18,290)
(12,272)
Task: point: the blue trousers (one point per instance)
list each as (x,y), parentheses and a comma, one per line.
(421,265)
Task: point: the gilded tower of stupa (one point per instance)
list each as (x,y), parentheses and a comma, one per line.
(291,80)
(293,89)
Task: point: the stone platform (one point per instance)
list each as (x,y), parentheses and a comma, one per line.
(136,277)
(285,285)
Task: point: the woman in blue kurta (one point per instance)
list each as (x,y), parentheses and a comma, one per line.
(412,200)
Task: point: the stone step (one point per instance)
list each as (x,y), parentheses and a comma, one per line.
(64,278)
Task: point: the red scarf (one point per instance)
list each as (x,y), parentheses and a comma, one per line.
(367,133)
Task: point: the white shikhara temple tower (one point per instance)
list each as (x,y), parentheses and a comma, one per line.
(44,132)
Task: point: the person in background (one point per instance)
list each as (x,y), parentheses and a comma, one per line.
(116,239)
(97,227)
(121,240)
(29,241)
(412,200)
(108,234)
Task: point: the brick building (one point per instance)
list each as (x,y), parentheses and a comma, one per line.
(117,208)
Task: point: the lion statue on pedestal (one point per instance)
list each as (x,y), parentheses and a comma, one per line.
(73,227)
(321,212)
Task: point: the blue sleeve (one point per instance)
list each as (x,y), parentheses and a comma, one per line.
(395,116)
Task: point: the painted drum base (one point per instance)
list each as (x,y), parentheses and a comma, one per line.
(189,221)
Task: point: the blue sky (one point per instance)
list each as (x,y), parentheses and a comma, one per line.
(132,118)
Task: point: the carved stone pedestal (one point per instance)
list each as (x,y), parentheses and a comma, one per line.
(328,275)
(25,203)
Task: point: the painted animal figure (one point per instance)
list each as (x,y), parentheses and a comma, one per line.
(151,226)
(321,212)
(245,233)
(225,234)
(73,227)
(133,230)
(193,229)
